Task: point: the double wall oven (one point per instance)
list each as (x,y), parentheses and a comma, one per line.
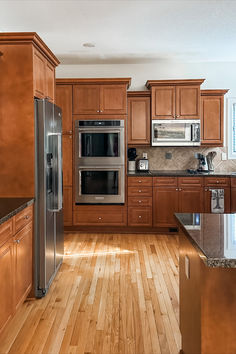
(99,162)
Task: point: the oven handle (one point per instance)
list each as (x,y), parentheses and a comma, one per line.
(90,168)
(99,130)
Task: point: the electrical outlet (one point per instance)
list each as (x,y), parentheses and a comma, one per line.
(223,156)
(168,155)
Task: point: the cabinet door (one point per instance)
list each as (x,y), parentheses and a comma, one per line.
(165,204)
(67,159)
(49,81)
(23,264)
(212,120)
(188,102)
(64,100)
(233,200)
(6,279)
(67,205)
(139,216)
(113,99)
(86,99)
(191,200)
(39,74)
(207,199)
(163,102)
(139,120)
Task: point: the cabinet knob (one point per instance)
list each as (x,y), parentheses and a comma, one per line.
(140,201)
(17,241)
(70,131)
(140,191)
(139,181)
(26,217)
(177,189)
(98,111)
(206,189)
(217,181)
(101,111)
(180,189)
(99,218)
(140,217)
(177,116)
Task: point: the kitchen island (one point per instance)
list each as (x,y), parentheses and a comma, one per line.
(207,283)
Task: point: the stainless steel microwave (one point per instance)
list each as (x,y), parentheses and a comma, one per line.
(176,132)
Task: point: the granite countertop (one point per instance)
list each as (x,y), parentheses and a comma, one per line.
(178,173)
(214,235)
(11,206)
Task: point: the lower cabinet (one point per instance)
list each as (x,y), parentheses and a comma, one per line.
(191,200)
(141,216)
(67,205)
(104,215)
(15,263)
(165,204)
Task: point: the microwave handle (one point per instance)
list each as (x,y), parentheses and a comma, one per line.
(195,132)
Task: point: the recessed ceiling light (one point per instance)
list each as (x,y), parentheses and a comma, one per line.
(89,45)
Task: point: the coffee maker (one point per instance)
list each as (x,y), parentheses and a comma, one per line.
(202,163)
(131,157)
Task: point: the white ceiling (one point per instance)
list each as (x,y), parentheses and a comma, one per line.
(128,31)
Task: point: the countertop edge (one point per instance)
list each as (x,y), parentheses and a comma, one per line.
(153,173)
(17,210)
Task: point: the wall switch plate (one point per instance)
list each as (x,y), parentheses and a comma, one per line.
(168,155)
(145,155)
(223,156)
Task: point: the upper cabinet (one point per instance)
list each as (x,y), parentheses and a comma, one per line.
(64,100)
(139,117)
(212,117)
(100,96)
(175,99)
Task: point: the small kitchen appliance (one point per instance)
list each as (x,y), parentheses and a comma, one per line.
(142,163)
(131,159)
(210,156)
(202,163)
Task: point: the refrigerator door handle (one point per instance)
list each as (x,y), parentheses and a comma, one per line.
(57,169)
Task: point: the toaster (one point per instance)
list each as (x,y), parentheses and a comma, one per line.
(142,164)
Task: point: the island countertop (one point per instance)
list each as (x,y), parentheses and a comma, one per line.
(213,235)
(11,206)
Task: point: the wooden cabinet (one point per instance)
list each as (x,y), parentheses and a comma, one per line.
(165,204)
(15,263)
(175,99)
(216,183)
(67,159)
(44,76)
(233,195)
(100,96)
(104,215)
(191,200)
(212,117)
(67,205)
(64,100)
(139,125)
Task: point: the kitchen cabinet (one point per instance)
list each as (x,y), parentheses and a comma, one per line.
(191,198)
(64,100)
(43,76)
(175,99)
(216,183)
(233,195)
(139,125)
(67,159)
(165,204)
(100,96)
(212,117)
(103,215)
(67,205)
(16,238)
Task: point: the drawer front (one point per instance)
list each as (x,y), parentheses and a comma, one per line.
(139,216)
(140,181)
(233,182)
(140,191)
(165,181)
(217,181)
(6,231)
(99,218)
(140,202)
(23,217)
(190,181)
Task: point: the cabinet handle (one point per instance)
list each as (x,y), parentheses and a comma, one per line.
(99,218)
(101,111)
(17,241)
(206,189)
(70,131)
(180,189)
(139,181)
(140,201)
(217,181)
(26,217)
(140,191)
(177,116)
(177,189)
(140,217)
(98,111)
(70,137)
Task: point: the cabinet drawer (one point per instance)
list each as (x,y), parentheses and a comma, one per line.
(233,182)
(139,216)
(190,181)
(140,191)
(140,181)
(140,202)
(216,181)
(23,217)
(6,231)
(165,181)
(98,217)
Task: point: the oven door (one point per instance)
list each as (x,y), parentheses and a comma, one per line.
(172,133)
(100,185)
(99,146)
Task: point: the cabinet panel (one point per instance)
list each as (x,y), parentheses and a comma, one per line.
(139,120)
(23,217)
(64,100)
(217,181)
(139,181)
(113,99)
(191,200)
(6,279)
(140,191)
(165,181)
(140,201)
(188,102)
(23,263)
(67,159)
(163,102)
(39,74)
(6,231)
(105,217)
(67,205)
(139,216)
(165,204)
(190,181)
(49,81)
(207,199)
(86,99)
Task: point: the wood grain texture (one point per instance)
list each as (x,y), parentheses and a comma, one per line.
(139,119)
(113,294)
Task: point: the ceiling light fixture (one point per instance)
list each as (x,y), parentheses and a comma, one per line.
(89,45)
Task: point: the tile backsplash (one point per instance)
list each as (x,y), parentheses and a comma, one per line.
(183,158)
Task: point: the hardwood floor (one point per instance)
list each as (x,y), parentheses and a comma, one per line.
(113,294)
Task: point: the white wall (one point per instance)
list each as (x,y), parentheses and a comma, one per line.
(218,75)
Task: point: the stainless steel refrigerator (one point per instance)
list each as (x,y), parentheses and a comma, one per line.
(49,235)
